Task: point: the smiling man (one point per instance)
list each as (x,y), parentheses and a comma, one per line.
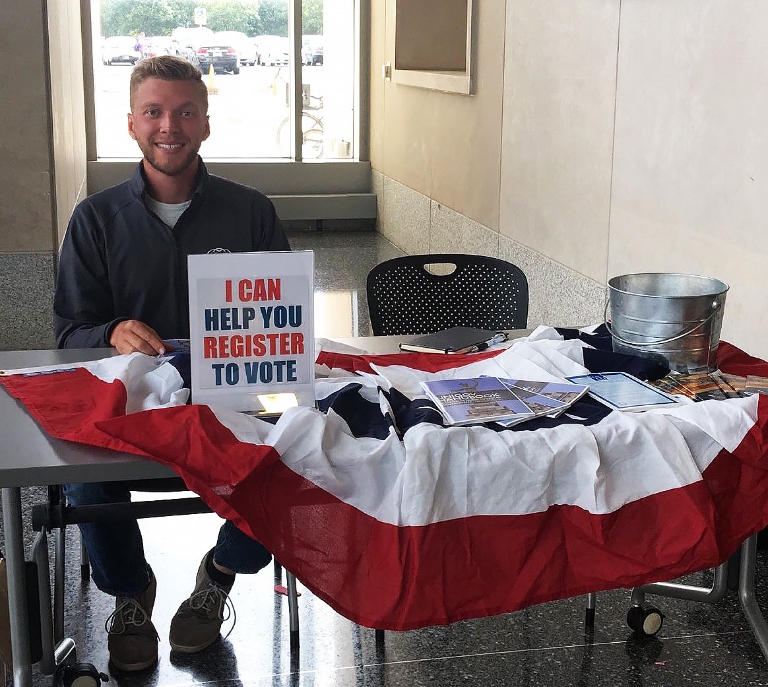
(122,282)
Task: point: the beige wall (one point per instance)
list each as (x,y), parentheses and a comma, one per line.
(418,135)
(606,137)
(39,185)
(67,109)
(25,173)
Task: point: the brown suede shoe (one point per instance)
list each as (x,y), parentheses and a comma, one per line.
(197,623)
(133,640)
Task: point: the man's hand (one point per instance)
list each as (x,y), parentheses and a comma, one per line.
(131,335)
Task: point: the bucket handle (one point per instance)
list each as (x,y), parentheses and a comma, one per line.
(715,308)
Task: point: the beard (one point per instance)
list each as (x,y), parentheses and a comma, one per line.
(170,168)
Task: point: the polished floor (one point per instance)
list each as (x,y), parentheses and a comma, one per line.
(706,645)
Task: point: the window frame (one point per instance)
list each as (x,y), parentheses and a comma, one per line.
(461,82)
(289,176)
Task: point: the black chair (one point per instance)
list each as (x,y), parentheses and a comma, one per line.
(405,297)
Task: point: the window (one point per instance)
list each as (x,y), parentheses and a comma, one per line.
(248,63)
(432,46)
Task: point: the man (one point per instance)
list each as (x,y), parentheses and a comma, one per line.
(122,282)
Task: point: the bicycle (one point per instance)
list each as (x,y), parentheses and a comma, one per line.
(311,130)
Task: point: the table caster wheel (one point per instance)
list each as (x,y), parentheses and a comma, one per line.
(645,619)
(83,675)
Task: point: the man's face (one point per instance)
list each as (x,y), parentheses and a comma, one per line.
(169,122)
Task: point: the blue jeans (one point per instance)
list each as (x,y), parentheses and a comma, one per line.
(116,548)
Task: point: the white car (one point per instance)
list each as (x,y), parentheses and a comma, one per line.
(120,49)
(250,52)
(273,50)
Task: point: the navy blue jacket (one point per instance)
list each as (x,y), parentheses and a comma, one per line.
(119,261)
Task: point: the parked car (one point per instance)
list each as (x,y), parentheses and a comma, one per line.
(249,53)
(222,57)
(120,49)
(154,46)
(273,50)
(311,49)
(193,37)
(246,53)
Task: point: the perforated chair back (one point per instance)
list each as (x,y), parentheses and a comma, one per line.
(404,297)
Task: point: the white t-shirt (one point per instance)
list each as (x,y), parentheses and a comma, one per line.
(168,212)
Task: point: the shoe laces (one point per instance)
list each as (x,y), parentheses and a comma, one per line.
(129,612)
(212,601)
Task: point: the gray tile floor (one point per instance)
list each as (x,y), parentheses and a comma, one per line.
(700,644)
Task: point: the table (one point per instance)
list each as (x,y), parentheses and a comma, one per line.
(30,457)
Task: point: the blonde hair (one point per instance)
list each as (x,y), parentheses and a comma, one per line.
(168,68)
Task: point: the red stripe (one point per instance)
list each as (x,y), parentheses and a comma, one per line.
(428,362)
(401,578)
(735,361)
(68,404)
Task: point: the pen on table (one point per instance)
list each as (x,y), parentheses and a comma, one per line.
(497,338)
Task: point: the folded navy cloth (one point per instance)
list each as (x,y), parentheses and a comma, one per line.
(602,357)
(178,356)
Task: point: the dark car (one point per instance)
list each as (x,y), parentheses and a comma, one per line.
(224,58)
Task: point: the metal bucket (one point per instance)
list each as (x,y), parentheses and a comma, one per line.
(672,317)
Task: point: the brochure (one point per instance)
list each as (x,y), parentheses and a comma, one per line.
(480,399)
(728,385)
(454,340)
(755,385)
(671,384)
(563,392)
(506,401)
(703,386)
(707,386)
(622,391)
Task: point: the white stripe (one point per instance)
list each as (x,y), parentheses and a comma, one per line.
(440,474)
(149,383)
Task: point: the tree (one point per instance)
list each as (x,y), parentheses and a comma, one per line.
(153,17)
(183,12)
(232,15)
(312,17)
(274,17)
(160,17)
(150,16)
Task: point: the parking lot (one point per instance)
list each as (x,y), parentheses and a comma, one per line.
(246,110)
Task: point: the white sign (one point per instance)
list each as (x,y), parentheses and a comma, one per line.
(201,16)
(251,329)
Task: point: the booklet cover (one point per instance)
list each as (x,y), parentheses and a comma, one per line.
(755,385)
(480,399)
(622,391)
(702,386)
(454,340)
(564,393)
(506,401)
